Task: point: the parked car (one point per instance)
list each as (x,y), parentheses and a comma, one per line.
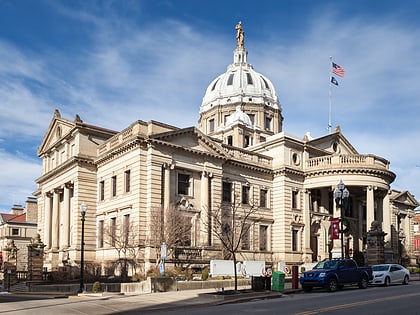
(386,274)
(334,274)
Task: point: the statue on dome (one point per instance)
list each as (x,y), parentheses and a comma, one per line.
(240,34)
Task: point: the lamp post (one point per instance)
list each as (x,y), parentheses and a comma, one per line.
(83,208)
(341,196)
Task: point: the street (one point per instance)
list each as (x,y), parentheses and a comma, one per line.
(374,300)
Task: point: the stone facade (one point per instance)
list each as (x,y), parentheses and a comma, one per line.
(132,179)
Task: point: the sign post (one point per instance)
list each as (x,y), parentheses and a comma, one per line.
(163,253)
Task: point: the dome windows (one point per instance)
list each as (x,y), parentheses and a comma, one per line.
(230,79)
(249,78)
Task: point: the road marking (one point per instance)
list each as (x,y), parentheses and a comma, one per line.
(343,306)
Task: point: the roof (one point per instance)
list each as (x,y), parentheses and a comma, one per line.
(13,218)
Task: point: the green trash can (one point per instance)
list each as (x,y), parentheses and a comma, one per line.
(277,281)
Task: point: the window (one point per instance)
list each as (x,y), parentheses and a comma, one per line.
(101,234)
(230,79)
(227,192)
(263,237)
(263,198)
(267,123)
(127,175)
(113,231)
(211,125)
(295,199)
(15,232)
(183,184)
(252,118)
(114,185)
(295,234)
(126,227)
(245,237)
(249,78)
(101,190)
(246,141)
(230,140)
(245,194)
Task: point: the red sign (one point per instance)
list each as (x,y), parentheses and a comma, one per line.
(335,228)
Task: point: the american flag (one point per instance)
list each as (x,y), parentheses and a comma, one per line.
(336,69)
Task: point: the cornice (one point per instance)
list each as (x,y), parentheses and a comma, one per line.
(388,175)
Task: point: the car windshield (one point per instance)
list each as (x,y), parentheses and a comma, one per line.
(380,268)
(329,264)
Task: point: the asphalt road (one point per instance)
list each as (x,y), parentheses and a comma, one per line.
(396,300)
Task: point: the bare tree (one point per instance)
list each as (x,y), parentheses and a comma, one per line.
(171,226)
(231,223)
(124,239)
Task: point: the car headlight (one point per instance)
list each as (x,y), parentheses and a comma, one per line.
(379,275)
(322,274)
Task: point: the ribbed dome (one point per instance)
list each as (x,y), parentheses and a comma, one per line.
(240,84)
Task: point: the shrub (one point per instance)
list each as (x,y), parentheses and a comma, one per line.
(135,278)
(96,287)
(205,274)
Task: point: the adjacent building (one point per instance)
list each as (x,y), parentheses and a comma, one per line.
(150,177)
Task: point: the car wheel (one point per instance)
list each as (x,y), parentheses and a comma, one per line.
(387,282)
(364,282)
(307,288)
(405,280)
(332,285)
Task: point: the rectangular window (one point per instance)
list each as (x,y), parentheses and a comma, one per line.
(295,199)
(114,185)
(263,237)
(245,245)
(101,190)
(113,231)
(211,125)
(252,118)
(230,79)
(230,140)
(245,195)
(15,232)
(126,226)
(263,198)
(267,123)
(227,192)
(101,234)
(183,184)
(127,175)
(249,78)
(246,141)
(295,234)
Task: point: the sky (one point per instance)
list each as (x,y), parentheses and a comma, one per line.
(115,62)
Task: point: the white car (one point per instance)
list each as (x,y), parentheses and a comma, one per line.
(387,274)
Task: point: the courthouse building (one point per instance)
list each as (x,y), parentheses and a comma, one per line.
(133,180)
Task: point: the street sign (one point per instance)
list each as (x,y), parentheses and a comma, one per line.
(163,251)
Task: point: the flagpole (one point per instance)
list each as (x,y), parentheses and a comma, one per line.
(330,99)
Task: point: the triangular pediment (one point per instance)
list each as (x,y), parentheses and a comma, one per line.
(404,197)
(191,139)
(335,143)
(58,129)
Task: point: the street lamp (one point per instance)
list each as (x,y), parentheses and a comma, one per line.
(83,208)
(341,196)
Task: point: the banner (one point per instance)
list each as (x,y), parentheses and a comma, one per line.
(335,228)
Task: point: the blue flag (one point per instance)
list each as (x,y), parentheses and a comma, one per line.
(334,81)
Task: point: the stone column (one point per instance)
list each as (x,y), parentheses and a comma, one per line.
(166,186)
(206,229)
(307,228)
(360,225)
(47,220)
(65,228)
(55,219)
(386,215)
(370,207)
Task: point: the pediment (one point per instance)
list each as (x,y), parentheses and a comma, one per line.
(335,143)
(191,139)
(58,129)
(404,197)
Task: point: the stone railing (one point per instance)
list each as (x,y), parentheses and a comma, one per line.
(358,160)
(249,157)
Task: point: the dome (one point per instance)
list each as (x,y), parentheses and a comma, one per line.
(240,84)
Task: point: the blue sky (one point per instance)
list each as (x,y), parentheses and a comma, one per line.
(114,62)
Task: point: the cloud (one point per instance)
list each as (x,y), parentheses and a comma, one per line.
(18,174)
